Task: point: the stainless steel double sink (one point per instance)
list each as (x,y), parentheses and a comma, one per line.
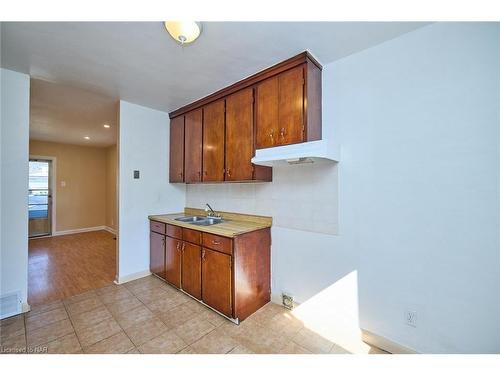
(200,220)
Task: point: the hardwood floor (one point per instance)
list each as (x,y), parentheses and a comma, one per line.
(63,266)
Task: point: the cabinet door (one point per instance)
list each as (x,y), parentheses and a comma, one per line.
(176,171)
(291,106)
(216,281)
(266,107)
(157,254)
(213,141)
(173,248)
(193,145)
(239,136)
(191,269)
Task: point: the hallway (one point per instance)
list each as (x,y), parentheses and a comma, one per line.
(63,266)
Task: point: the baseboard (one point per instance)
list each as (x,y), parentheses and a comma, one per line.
(385,344)
(110,230)
(26,307)
(132,276)
(80,230)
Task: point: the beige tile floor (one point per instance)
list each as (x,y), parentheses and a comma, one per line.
(149,316)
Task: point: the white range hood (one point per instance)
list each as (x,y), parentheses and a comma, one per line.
(308,152)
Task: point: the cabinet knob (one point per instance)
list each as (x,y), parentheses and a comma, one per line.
(203,254)
(178,245)
(183,246)
(228,172)
(282,132)
(215,242)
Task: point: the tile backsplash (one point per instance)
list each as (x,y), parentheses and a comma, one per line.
(303,197)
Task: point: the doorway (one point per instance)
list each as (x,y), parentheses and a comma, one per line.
(40,198)
(73,167)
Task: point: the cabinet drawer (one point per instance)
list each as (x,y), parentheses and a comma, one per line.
(191,235)
(156,226)
(222,244)
(174,231)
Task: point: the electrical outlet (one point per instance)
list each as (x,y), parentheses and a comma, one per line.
(411,318)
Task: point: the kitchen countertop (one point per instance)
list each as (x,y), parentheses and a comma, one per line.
(233,225)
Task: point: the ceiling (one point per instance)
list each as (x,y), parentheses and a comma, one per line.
(66,114)
(96,63)
(139,62)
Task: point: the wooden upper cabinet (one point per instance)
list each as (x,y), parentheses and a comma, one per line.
(291,107)
(213,141)
(288,107)
(266,107)
(312,102)
(193,151)
(176,171)
(280,109)
(239,136)
(280,105)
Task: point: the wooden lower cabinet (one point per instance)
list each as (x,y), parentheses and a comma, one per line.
(173,249)
(216,280)
(191,269)
(157,254)
(231,275)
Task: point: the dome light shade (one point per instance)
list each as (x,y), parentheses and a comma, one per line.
(184,32)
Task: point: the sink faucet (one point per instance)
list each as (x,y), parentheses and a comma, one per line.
(211,212)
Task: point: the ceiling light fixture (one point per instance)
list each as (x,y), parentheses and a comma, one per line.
(106,126)
(87,137)
(184,32)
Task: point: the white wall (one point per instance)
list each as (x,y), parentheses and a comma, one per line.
(418,121)
(142,145)
(418,118)
(15,89)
